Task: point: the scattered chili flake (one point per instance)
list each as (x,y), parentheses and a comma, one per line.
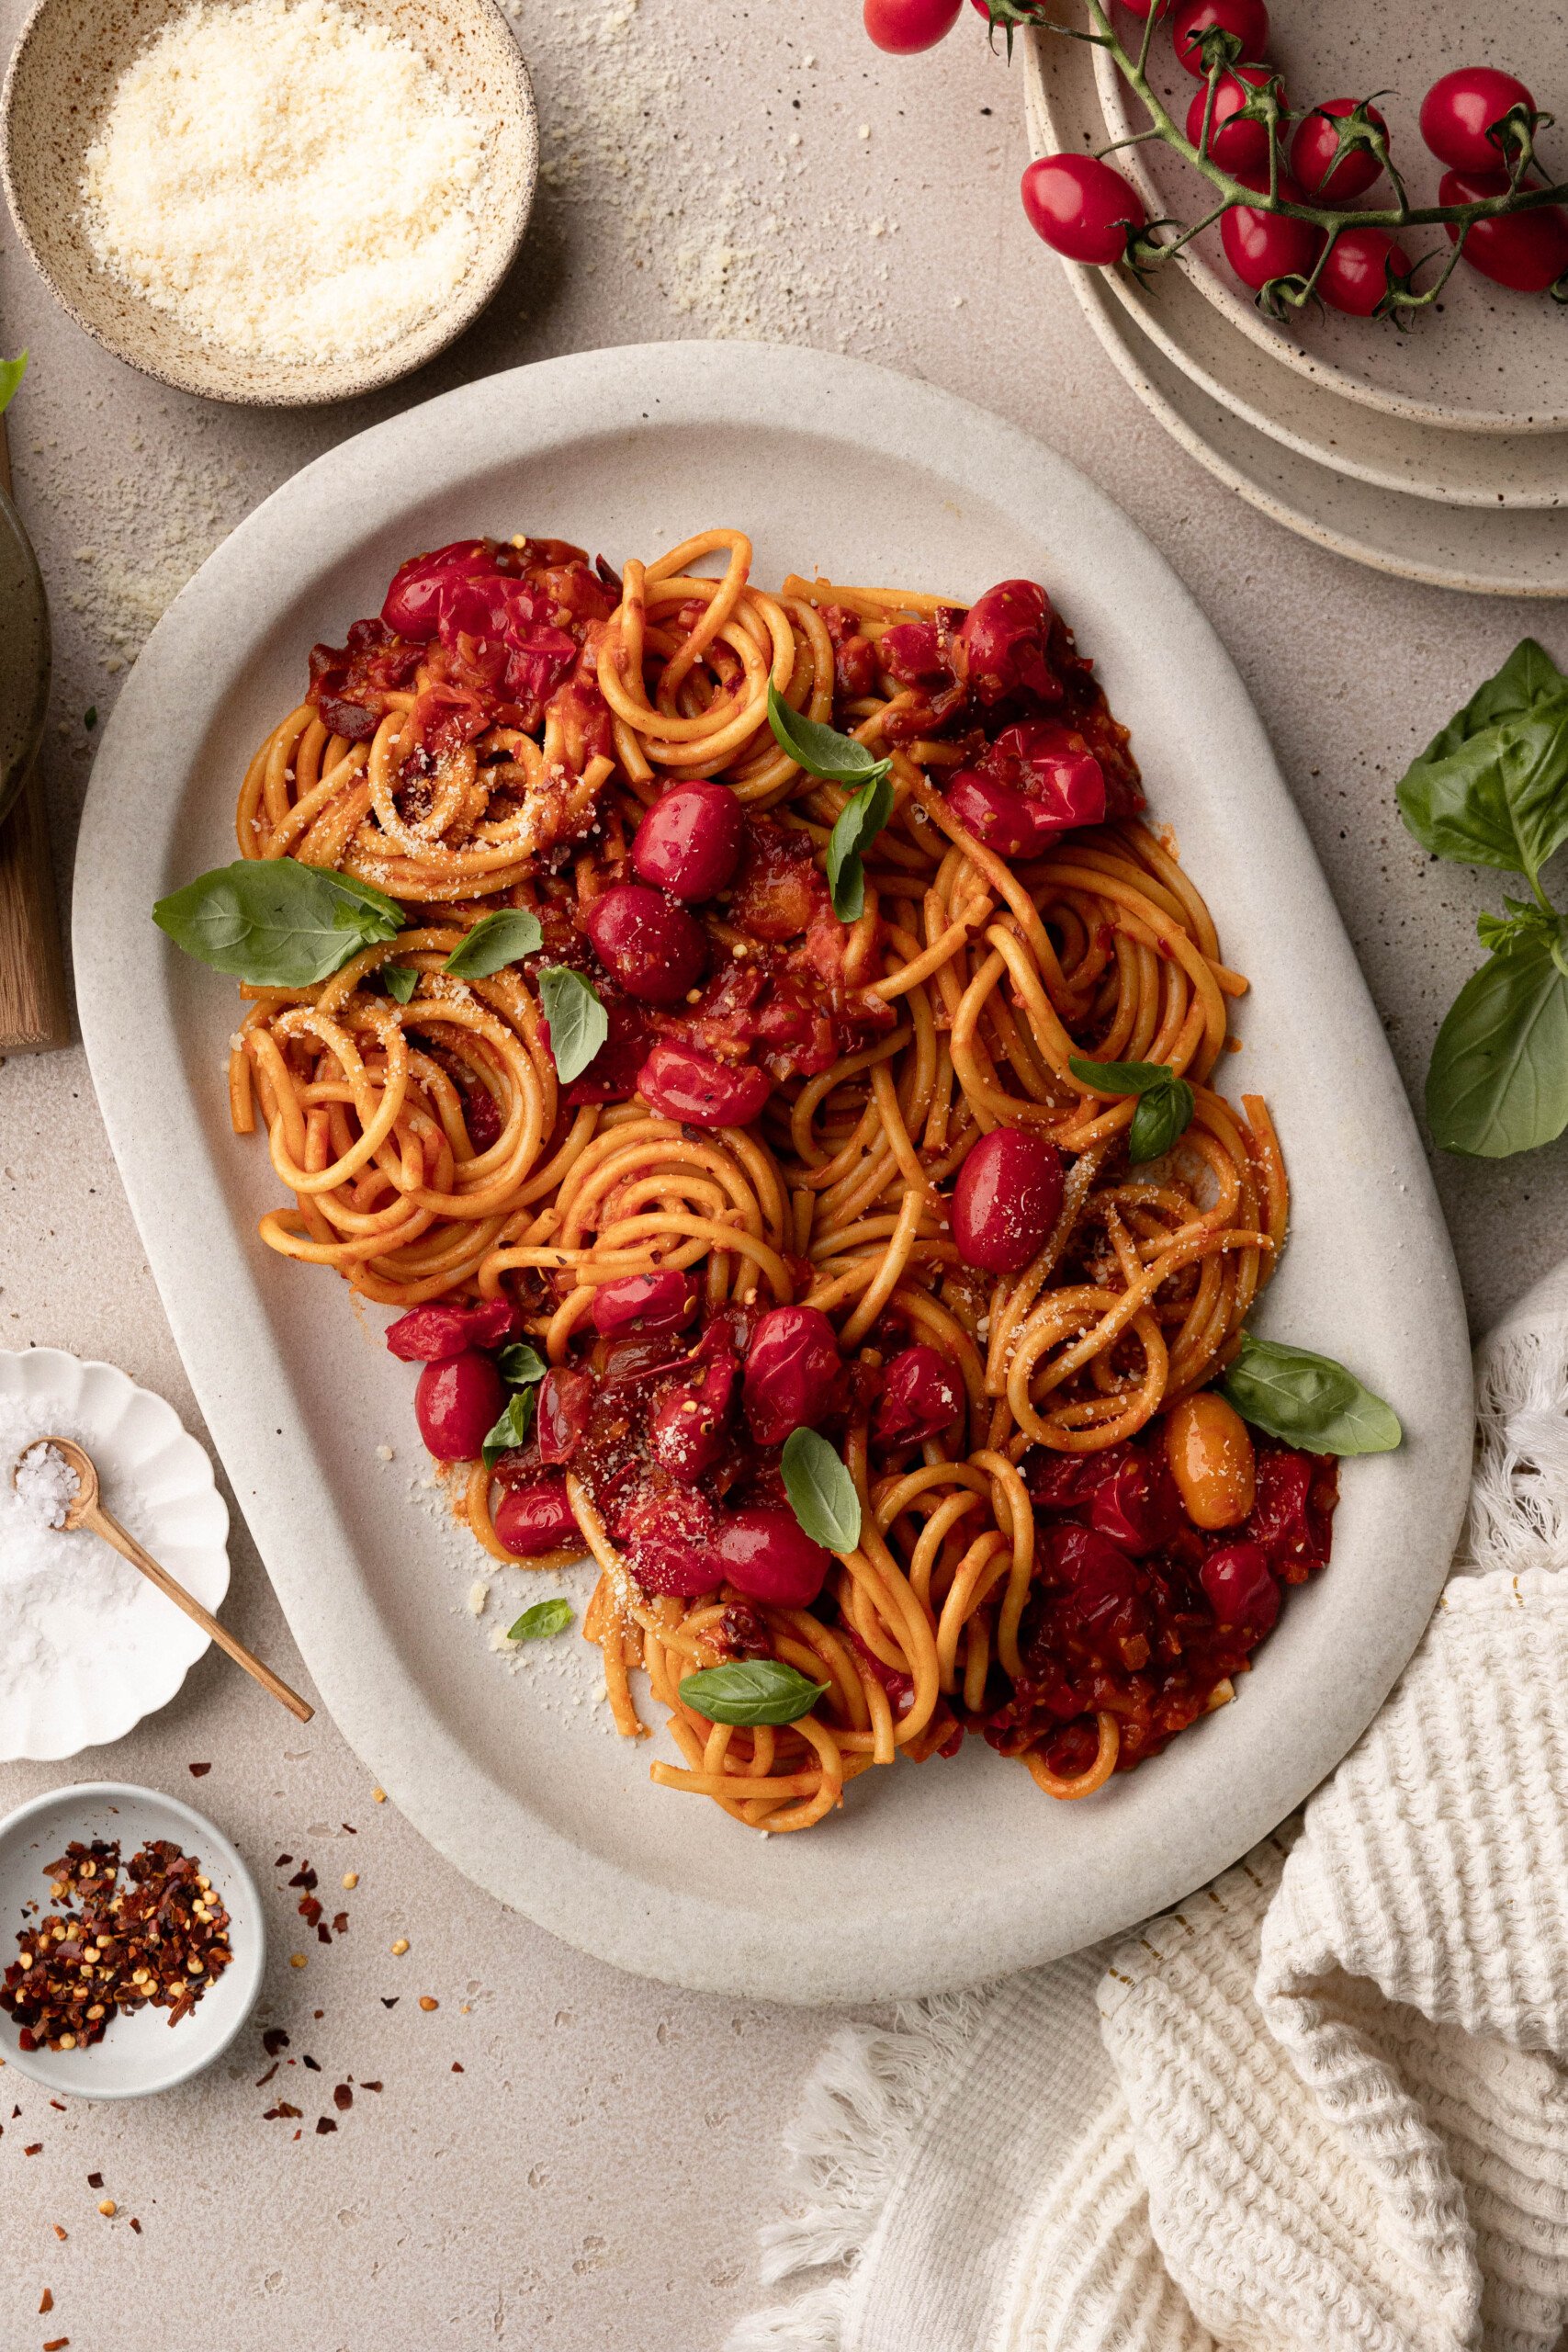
(343,2098)
(350,1828)
(274,2040)
(428,2001)
(36,2150)
(60,2103)
(59,2232)
(304,1876)
(95,2180)
(340,1920)
(312,2065)
(370,2087)
(47,2302)
(391,2000)
(198,1771)
(323,1935)
(268,2076)
(57,2343)
(283,1861)
(136,2225)
(326,2123)
(455,2068)
(154,1933)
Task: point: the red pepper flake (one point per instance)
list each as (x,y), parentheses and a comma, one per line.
(136,2225)
(200,1772)
(262,2079)
(57,2343)
(312,2065)
(36,2150)
(350,1828)
(455,2068)
(115,1940)
(47,2302)
(59,2232)
(283,1861)
(326,2123)
(391,2000)
(340,1923)
(60,2103)
(370,2087)
(274,2040)
(343,2098)
(95,2180)
(324,1934)
(305,1876)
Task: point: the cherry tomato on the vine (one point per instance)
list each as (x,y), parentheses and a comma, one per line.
(906,26)
(1081,208)
(1355,276)
(1260,246)
(1248,19)
(1236,144)
(1145,8)
(1527,251)
(1458,112)
(1316,144)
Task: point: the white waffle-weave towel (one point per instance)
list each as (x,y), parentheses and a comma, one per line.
(1320,2107)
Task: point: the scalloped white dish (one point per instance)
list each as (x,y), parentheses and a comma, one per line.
(123,1650)
(928,1878)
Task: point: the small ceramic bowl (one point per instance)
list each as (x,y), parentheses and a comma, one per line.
(62,77)
(139,2053)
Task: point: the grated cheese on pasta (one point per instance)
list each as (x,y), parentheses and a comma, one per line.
(286,179)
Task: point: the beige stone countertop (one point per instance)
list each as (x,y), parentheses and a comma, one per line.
(561,2154)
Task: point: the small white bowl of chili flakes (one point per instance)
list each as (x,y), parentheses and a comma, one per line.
(132,1940)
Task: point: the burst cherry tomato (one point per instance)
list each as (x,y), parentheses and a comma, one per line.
(1235,142)
(530,1520)
(683,1082)
(1248,19)
(689,842)
(655,948)
(1081,208)
(792,1371)
(643,1303)
(1458,112)
(768,1556)
(906,26)
(1260,246)
(1002,644)
(1355,276)
(457,1403)
(921,1397)
(1527,251)
(1007,1197)
(1241,1590)
(1316,143)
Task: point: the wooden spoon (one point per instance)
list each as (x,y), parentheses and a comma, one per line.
(85,1509)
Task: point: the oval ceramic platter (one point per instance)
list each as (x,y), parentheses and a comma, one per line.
(928,1878)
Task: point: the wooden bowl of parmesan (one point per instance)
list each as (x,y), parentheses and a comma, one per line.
(271,201)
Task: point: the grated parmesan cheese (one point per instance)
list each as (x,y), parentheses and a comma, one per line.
(286,180)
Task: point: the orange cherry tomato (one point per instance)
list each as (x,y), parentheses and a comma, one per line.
(1211,1461)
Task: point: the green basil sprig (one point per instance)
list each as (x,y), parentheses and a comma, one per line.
(821,1491)
(11,374)
(1492,789)
(276,923)
(751,1690)
(519,1364)
(579,1022)
(545,1618)
(1165,1101)
(523,1368)
(822,750)
(861,818)
(1309,1400)
(494,942)
(400,980)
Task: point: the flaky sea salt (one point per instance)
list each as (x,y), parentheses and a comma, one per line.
(45,1486)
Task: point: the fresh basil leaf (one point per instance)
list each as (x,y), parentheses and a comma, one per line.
(512,1428)
(1121,1078)
(1524,919)
(1308,1400)
(1498,1079)
(494,942)
(1492,788)
(520,1365)
(821,1491)
(1163,1115)
(274,922)
(546,1617)
(861,818)
(822,750)
(579,1022)
(751,1690)
(11,374)
(401,979)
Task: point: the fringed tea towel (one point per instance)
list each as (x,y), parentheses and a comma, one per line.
(1321,2107)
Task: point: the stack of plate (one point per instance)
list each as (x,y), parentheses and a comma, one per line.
(1441,453)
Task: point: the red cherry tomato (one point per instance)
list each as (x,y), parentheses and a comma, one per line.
(643,1303)
(1240,1588)
(415,600)
(1316,144)
(653,947)
(1144,8)
(921,1397)
(1248,19)
(904,27)
(792,1371)
(1527,251)
(1135,1506)
(686,1434)
(1007,1197)
(425,1334)
(1355,276)
(768,1556)
(457,1403)
(1458,112)
(683,1082)
(689,842)
(1236,145)
(1002,644)
(530,1520)
(1260,246)
(1081,208)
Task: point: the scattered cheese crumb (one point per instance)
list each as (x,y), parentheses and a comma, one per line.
(479,1593)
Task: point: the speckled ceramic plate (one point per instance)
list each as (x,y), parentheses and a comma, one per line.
(930,1877)
(92,1685)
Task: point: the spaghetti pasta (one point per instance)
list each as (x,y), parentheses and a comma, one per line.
(781,1123)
